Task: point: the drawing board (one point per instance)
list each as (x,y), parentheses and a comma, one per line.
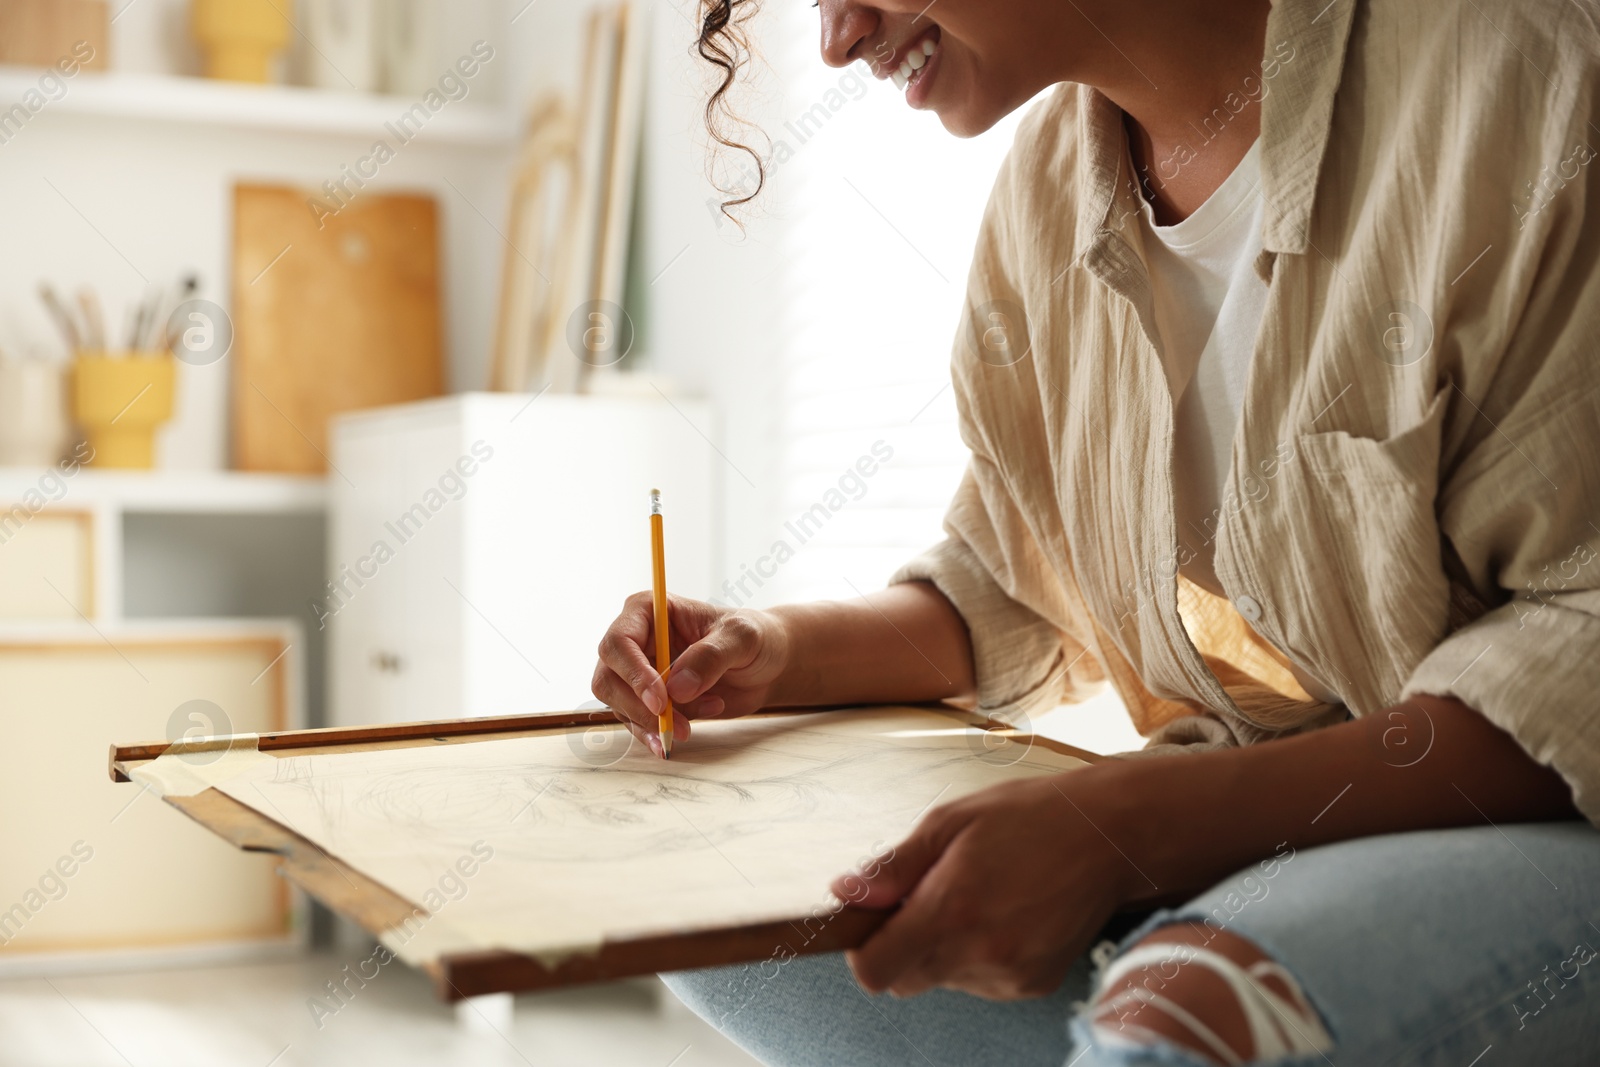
(566,851)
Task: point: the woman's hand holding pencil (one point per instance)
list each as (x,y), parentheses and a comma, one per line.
(666,659)
(723,662)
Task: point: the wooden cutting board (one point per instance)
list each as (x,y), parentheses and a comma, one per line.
(328,319)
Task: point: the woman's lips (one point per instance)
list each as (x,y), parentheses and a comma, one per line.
(921,83)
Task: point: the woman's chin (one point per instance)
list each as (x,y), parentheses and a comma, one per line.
(963,120)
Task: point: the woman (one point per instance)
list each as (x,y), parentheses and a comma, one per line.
(1279,376)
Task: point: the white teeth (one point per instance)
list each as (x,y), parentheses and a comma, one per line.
(914,61)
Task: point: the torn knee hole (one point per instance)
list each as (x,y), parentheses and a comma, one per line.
(1207,991)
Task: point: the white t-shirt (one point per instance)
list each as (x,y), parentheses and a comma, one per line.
(1208,306)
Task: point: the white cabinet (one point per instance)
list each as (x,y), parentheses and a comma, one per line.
(481,543)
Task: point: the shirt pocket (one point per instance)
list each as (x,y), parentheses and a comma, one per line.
(1371,515)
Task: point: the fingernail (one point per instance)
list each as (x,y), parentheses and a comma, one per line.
(652,700)
(654,741)
(682,684)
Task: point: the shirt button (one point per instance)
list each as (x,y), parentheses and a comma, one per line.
(1247,606)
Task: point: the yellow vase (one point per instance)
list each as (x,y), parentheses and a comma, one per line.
(119,401)
(239,37)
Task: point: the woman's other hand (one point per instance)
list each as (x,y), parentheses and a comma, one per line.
(998,892)
(724,663)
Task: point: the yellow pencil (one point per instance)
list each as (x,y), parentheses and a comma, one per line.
(658,568)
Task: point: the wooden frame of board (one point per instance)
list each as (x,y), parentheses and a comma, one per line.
(457,976)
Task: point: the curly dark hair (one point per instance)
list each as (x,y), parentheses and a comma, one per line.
(724,44)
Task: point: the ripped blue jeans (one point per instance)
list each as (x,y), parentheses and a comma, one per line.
(1473,946)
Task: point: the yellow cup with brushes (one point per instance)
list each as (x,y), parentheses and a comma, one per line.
(120,395)
(119,399)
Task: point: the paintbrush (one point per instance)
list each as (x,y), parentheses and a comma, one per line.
(190,286)
(145,335)
(135,320)
(63,317)
(93,323)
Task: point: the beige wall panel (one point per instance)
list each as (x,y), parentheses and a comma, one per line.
(45,550)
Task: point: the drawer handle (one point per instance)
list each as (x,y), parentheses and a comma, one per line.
(388,662)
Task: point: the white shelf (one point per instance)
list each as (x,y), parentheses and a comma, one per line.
(283,108)
(191,492)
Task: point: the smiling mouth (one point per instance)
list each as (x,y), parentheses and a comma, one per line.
(915,60)
(908,59)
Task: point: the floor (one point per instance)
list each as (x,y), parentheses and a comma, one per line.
(256,1015)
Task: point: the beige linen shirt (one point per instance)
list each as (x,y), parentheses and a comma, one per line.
(1413,504)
